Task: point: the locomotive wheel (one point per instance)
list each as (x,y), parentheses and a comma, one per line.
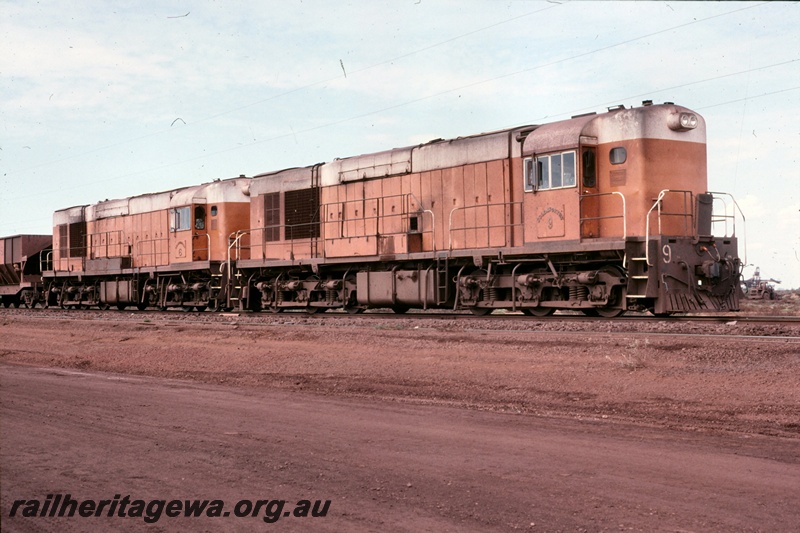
(6,303)
(351,305)
(313,310)
(141,307)
(121,307)
(201,308)
(590,312)
(609,312)
(615,296)
(539,311)
(481,311)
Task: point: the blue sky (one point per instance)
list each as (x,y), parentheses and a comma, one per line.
(112,99)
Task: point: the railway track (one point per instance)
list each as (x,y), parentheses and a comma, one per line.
(378,314)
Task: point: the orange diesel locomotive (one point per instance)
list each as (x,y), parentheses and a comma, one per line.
(600,213)
(154,250)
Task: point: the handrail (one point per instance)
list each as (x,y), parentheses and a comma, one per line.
(339,209)
(154,255)
(208,245)
(647,227)
(379,206)
(157,256)
(720,196)
(657,205)
(486,227)
(433,218)
(233,241)
(46,259)
(68,257)
(623,216)
(121,240)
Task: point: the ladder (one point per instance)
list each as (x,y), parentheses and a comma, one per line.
(236,289)
(230,287)
(442,280)
(638,270)
(637,277)
(216,288)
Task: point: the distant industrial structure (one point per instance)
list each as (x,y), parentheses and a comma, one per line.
(756,288)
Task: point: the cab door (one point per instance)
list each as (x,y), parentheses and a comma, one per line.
(201,243)
(589,198)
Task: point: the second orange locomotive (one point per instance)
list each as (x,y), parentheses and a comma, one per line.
(600,213)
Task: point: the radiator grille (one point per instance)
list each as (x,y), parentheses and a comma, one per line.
(302,214)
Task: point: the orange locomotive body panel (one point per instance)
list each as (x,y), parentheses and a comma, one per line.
(454,208)
(463,206)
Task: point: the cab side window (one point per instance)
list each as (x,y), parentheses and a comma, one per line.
(199,217)
(618,155)
(556,171)
(180,219)
(543,173)
(530,175)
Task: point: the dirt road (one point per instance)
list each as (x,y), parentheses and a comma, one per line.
(385,467)
(444,427)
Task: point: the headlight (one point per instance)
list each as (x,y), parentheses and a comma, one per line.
(682,121)
(688,121)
